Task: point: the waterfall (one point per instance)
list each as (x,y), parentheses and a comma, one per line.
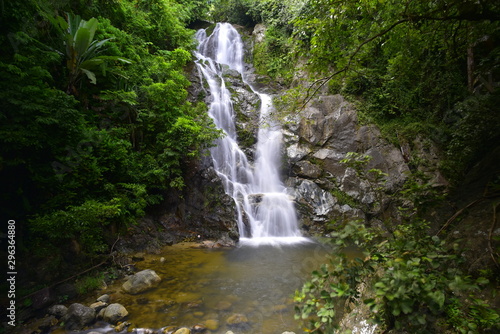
(265,212)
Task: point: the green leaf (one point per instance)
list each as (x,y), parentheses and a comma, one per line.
(90,75)
(81,41)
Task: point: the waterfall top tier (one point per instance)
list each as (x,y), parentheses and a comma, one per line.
(265,211)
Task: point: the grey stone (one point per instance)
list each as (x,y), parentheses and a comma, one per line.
(58,311)
(104,298)
(141,281)
(114,313)
(307,169)
(321,202)
(78,316)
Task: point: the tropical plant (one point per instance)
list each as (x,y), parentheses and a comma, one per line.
(83,53)
(406,278)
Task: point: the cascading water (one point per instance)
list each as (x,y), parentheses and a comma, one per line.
(260,196)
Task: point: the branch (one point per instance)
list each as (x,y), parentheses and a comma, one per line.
(458,213)
(490,235)
(488,16)
(324,80)
(80,273)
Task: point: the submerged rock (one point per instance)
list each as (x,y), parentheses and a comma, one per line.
(141,281)
(212,324)
(223,305)
(237,320)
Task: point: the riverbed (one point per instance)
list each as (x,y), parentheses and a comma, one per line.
(209,286)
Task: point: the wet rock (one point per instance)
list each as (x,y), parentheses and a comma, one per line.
(199,329)
(58,311)
(225,242)
(121,326)
(183,330)
(320,201)
(168,330)
(78,316)
(212,324)
(238,320)
(141,281)
(297,151)
(98,306)
(114,313)
(104,298)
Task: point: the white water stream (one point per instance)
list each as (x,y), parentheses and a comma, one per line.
(265,212)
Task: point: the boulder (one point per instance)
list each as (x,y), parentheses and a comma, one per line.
(78,316)
(114,313)
(141,281)
(58,311)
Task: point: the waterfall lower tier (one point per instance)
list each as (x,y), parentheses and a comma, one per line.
(265,212)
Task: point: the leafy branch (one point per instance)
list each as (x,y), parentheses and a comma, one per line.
(407,18)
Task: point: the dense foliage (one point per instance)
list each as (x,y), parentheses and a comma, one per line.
(406,279)
(95,124)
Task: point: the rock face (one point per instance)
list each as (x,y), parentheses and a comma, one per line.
(325,189)
(200,211)
(141,281)
(78,316)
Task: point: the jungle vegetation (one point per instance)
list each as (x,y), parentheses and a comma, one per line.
(95,125)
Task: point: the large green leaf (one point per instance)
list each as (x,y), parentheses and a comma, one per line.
(81,41)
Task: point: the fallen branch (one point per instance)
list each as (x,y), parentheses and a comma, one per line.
(490,235)
(76,275)
(458,213)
